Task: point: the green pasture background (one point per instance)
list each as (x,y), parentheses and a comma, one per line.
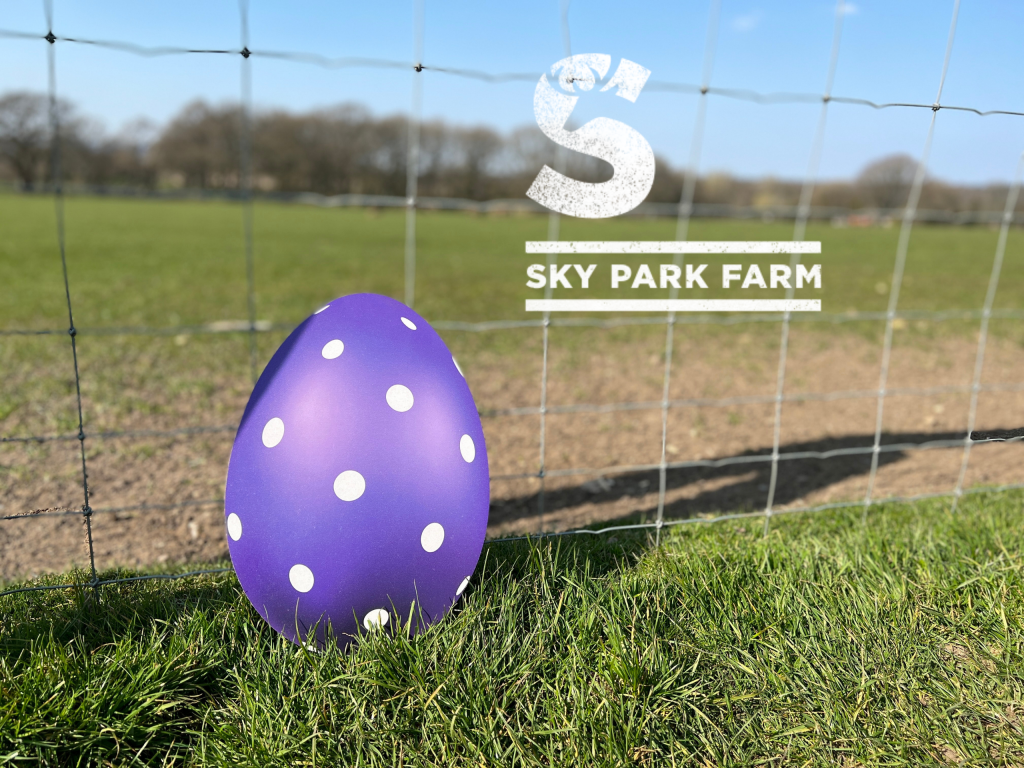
(162,263)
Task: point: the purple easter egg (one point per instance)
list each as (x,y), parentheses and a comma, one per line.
(357,490)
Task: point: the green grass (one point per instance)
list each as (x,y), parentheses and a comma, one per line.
(163,263)
(826,643)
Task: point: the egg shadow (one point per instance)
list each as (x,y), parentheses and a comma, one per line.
(733,487)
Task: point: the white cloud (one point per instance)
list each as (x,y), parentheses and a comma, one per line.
(747,21)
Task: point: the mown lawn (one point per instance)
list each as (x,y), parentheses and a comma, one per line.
(827,643)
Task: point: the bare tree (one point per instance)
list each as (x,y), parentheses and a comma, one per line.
(346,149)
(527,150)
(203,143)
(317,152)
(886,182)
(478,148)
(117,161)
(24,134)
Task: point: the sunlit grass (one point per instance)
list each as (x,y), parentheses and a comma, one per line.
(826,643)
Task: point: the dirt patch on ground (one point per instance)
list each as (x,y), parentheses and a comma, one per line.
(157,496)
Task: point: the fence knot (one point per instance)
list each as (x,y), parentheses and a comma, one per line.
(703,90)
(50,37)
(81,435)
(86,510)
(418,67)
(936,107)
(72,332)
(246,53)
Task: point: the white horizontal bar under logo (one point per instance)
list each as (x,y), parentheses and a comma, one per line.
(671,247)
(673,305)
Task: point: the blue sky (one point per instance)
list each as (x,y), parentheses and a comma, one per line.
(892,50)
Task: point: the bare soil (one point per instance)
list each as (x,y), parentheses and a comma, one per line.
(587,455)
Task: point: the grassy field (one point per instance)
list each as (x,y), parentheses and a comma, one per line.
(826,643)
(164,263)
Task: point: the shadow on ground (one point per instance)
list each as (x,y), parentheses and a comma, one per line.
(798,478)
(142,607)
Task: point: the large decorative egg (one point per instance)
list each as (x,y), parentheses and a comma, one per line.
(357,490)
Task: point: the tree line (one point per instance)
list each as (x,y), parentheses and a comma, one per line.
(347,150)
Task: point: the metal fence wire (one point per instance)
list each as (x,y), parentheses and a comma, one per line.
(683,212)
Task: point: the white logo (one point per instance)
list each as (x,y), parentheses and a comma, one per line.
(629,154)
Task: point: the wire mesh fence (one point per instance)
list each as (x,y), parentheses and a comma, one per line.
(684,213)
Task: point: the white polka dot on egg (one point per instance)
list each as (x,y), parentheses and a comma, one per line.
(349,485)
(234,527)
(333,349)
(468,448)
(432,537)
(301,578)
(409,323)
(399,397)
(376,619)
(273,432)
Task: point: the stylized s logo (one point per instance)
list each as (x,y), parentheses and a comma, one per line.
(629,154)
